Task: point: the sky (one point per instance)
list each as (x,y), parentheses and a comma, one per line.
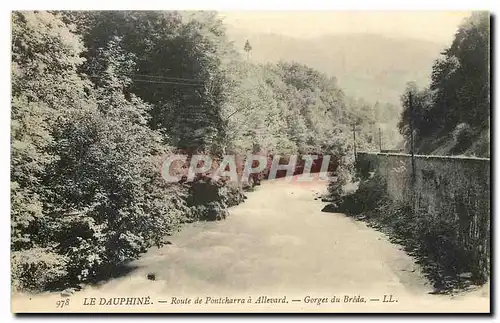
(437,26)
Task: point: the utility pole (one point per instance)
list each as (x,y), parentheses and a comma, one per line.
(412,145)
(379,140)
(354,136)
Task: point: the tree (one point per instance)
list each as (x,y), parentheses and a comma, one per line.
(179,69)
(416,106)
(46,90)
(247,48)
(86,192)
(458,96)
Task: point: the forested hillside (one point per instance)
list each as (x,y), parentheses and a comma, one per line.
(368,66)
(371,69)
(100,98)
(451,116)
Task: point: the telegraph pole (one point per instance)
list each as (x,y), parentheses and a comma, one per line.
(379,140)
(354,136)
(412,145)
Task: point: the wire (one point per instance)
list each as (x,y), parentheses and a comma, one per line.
(234,112)
(163,79)
(170,78)
(166,82)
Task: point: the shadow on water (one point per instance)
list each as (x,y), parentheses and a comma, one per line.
(113,272)
(106,274)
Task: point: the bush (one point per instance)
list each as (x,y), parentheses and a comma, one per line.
(370,195)
(209,199)
(80,240)
(463,136)
(336,185)
(36,269)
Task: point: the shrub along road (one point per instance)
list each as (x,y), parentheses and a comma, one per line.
(279,243)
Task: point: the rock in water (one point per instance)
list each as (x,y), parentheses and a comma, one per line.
(67,292)
(330,208)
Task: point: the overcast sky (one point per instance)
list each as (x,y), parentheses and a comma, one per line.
(438,26)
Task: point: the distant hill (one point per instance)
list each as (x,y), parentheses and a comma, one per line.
(367,66)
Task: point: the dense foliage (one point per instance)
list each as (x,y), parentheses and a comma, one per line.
(452,115)
(99,98)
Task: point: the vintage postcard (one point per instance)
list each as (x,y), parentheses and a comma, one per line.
(250,162)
